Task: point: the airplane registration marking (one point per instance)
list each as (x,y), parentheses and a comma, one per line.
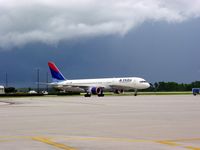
(125,80)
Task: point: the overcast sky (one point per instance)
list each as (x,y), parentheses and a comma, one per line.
(154,39)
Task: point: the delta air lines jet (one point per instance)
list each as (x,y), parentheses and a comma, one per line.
(96,86)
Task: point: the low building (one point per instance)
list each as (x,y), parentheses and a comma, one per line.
(32,92)
(2,89)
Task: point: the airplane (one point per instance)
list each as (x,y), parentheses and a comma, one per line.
(95,86)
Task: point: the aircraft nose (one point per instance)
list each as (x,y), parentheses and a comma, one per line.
(148,85)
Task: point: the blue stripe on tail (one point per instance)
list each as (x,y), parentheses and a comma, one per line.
(56,74)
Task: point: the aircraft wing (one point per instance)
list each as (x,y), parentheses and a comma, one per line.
(84,87)
(120,87)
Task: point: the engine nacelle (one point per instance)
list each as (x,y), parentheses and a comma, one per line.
(96,90)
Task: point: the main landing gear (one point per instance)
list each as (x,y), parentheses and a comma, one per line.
(89,95)
(101,95)
(117,91)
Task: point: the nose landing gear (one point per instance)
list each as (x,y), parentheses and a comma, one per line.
(135,94)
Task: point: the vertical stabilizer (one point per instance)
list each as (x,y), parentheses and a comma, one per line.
(55,73)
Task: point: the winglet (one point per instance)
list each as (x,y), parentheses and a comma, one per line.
(55,73)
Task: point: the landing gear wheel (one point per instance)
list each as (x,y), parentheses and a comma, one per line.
(101,95)
(117,91)
(87,95)
(135,94)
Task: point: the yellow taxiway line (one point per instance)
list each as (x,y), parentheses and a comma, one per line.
(50,142)
(175,144)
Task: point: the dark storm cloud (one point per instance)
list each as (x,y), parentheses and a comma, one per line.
(157,52)
(52,21)
(154,39)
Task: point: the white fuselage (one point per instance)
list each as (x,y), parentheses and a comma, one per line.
(124,83)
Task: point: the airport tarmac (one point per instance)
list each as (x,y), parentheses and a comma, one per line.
(100,123)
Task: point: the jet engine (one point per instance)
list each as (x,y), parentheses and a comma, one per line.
(96,90)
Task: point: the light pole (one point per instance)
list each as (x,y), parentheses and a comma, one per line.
(6,79)
(38,80)
(47,80)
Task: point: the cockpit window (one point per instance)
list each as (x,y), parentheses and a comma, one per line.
(143,81)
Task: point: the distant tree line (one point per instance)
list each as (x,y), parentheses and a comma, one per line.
(10,90)
(173,86)
(156,87)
